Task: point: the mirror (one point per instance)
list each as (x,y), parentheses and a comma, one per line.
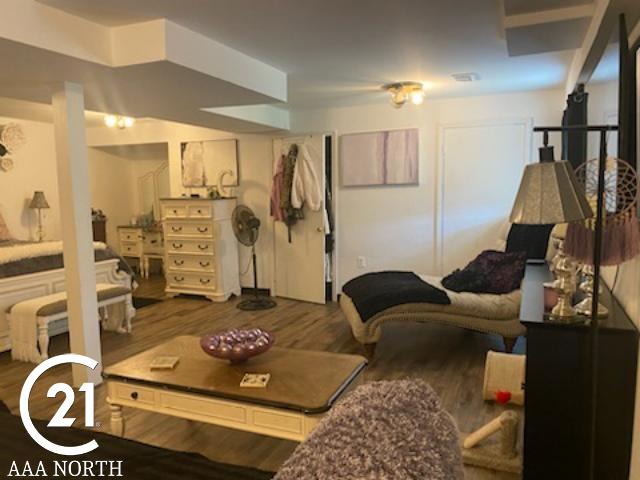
(147,193)
(152,187)
(204,162)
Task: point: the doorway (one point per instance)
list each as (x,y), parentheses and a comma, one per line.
(303,253)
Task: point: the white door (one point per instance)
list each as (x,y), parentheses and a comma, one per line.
(299,257)
(481,166)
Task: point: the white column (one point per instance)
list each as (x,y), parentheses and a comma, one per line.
(77,237)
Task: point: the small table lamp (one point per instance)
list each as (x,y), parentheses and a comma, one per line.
(550,193)
(39,202)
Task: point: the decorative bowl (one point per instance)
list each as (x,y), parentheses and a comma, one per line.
(236,345)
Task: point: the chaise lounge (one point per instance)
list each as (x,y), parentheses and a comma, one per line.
(486,313)
(399,300)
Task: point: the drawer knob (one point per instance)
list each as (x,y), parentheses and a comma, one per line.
(178,279)
(176,229)
(179,262)
(203,247)
(200,211)
(204,264)
(175,211)
(177,245)
(203,229)
(134,395)
(204,281)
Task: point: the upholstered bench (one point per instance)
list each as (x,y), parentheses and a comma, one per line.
(53,307)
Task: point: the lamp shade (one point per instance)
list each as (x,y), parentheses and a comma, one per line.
(38,200)
(549,193)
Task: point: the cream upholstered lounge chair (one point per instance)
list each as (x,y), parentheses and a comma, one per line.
(465,314)
(486,313)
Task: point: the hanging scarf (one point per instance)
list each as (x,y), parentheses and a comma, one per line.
(291,214)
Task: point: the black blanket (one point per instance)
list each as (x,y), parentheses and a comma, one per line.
(140,461)
(374,292)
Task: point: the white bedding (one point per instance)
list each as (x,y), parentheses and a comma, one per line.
(23,251)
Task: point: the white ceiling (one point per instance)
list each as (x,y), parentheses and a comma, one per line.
(340,52)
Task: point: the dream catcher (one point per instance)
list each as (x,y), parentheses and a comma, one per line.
(621,237)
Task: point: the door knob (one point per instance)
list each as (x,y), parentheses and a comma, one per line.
(319,229)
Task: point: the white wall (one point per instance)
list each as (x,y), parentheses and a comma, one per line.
(34,169)
(113,186)
(255,154)
(111,190)
(395,227)
(114,182)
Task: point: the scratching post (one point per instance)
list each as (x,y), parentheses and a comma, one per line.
(504,372)
(503,383)
(502,456)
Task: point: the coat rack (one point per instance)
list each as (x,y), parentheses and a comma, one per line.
(597,250)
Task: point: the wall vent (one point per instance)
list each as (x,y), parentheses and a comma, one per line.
(466,77)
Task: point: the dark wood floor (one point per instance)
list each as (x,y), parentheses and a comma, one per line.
(450,359)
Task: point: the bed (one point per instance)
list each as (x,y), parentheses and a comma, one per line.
(29,270)
(140,461)
(487,313)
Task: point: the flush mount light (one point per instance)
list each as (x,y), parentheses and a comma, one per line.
(116,121)
(401,92)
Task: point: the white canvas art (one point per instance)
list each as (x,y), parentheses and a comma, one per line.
(379,158)
(203,162)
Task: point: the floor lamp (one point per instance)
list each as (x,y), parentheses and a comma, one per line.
(534,204)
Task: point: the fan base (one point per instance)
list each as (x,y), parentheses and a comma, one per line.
(256,304)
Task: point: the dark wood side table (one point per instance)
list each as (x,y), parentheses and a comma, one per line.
(557,399)
(99,230)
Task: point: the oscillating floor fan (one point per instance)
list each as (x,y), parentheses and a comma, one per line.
(246,227)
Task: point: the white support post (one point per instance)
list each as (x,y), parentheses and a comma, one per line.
(77,237)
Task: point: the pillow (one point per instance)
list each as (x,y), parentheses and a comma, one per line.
(501,241)
(491,272)
(4,230)
(531,239)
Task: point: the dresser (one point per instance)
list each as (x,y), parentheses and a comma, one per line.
(558,380)
(201,251)
(136,242)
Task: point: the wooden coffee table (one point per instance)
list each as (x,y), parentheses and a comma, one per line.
(303,386)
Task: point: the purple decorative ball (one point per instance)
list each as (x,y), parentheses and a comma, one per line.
(237,345)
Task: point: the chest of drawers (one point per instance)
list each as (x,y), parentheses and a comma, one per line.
(131,241)
(201,251)
(137,243)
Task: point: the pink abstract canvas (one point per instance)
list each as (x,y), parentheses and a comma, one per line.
(379,158)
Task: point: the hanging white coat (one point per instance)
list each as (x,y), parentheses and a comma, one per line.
(306,183)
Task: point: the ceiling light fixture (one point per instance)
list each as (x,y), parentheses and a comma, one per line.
(401,92)
(116,121)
